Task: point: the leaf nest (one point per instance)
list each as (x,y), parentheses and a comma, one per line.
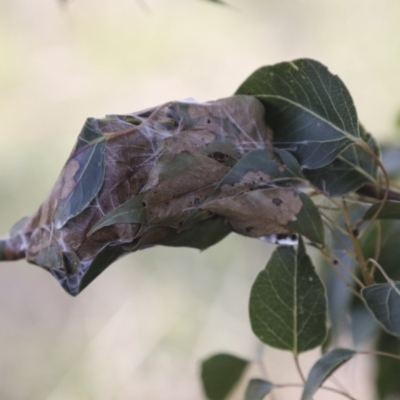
(181,174)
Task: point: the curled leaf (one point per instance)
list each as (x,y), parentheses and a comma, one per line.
(323,369)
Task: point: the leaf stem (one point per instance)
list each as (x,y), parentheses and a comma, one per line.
(382,271)
(366,148)
(288,385)
(298,367)
(370,191)
(378,246)
(347,233)
(357,246)
(379,353)
(326,207)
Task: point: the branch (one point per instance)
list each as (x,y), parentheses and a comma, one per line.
(370,190)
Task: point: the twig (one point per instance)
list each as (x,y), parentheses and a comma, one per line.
(378,246)
(327,207)
(356,246)
(370,191)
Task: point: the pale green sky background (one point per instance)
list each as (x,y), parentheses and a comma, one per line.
(139,331)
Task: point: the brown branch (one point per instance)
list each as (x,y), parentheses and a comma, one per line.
(370,190)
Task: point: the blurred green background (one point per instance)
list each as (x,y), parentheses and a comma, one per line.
(140,330)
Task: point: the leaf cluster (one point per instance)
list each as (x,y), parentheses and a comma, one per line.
(313,117)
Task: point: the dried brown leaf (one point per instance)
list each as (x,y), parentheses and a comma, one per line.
(260,212)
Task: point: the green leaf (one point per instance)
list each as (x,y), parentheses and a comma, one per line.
(309,110)
(102,260)
(220,373)
(85,170)
(201,236)
(353,168)
(383,301)
(277,163)
(390,210)
(90,133)
(131,212)
(308,221)
(288,303)
(324,368)
(257,389)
